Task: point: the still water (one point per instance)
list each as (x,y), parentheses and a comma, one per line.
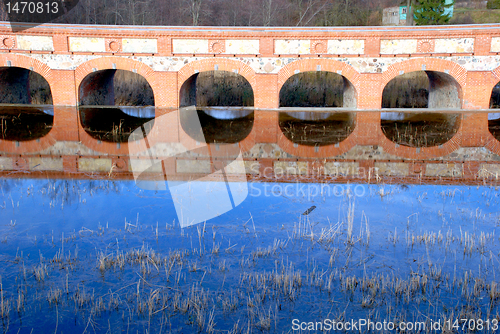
(219,247)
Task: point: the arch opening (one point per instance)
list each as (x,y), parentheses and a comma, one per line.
(216,89)
(114,103)
(115,88)
(423,89)
(420,129)
(224,103)
(316,128)
(495,97)
(22,86)
(26,110)
(318,89)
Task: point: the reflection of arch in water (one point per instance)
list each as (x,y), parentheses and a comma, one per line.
(333,146)
(446,81)
(321,72)
(221,125)
(493,135)
(316,128)
(30,143)
(117,88)
(420,129)
(115,124)
(19,123)
(439,147)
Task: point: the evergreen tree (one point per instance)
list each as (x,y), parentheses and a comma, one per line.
(429,12)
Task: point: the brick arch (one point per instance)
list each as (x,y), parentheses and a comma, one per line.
(45,71)
(210,64)
(311,65)
(456,71)
(28,63)
(492,143)
(118,63)
(495,78)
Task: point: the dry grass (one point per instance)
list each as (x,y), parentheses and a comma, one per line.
(422,130)
(410,90)
(132,89)
(328,131)
(221,88)
(308,268)
(313,89)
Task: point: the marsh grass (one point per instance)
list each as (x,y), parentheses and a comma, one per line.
(410,90)
(138,277)
(332,130)
(423,129)
(39,89)
(221,88)
(111,124)
(313,89)
(24,123)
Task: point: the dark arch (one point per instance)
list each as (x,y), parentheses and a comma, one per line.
(114,103)
(423,89)
(216,88)
(115,87)
(223,101)
(318,89)
(35,119)
(495,96)
(420,129)
(22,86)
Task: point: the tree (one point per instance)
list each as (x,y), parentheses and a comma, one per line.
(430,12)
(409,11)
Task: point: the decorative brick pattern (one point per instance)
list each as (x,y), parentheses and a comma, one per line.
(7,42)
(216,46)
(319,46)
(113,45)
(425,46)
